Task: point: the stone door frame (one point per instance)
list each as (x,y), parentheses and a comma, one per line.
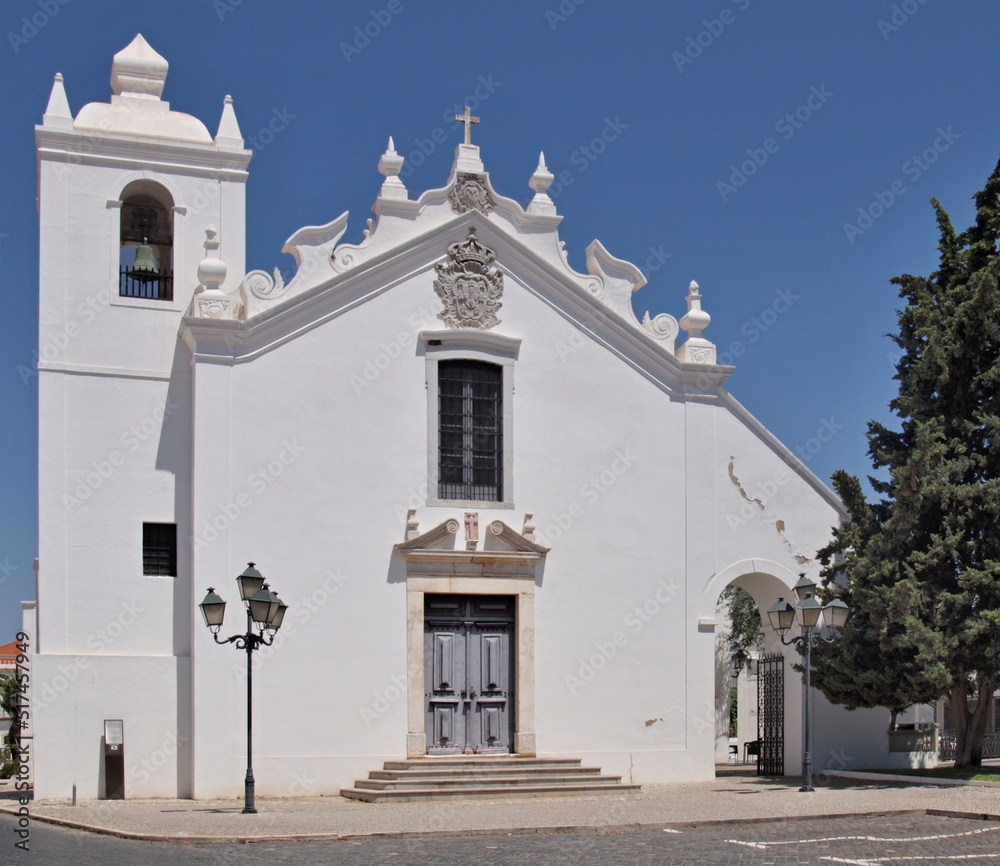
(507,570)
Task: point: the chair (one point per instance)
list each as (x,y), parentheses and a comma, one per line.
(751,750)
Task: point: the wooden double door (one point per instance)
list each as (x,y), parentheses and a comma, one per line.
(469,673)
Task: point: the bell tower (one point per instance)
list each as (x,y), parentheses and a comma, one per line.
(128,190)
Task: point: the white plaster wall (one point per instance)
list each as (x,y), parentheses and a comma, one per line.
(328,449)
(848,739)
(305,459)
(115,451)
(82,320)
(72,695)
(123,447)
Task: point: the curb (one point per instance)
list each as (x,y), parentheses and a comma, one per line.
(609,829)
(912,780)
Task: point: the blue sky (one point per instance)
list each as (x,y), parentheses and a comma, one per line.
(780,153)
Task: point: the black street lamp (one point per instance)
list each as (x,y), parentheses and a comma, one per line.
(266,611)
(808,611)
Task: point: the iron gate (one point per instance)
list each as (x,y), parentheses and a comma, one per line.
(771,715)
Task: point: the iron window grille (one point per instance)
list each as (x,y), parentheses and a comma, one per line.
(470,441)
(159,549)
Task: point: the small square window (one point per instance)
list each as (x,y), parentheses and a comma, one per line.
(159,549)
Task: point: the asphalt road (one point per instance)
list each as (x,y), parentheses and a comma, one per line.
(909,840)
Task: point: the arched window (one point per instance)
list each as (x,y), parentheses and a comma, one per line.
(146,255)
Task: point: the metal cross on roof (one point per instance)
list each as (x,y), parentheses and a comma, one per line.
(467,119)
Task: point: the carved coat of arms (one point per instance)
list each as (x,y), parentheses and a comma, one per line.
(470,285)
(470,193)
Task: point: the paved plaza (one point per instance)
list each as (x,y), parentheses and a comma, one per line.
(736,795)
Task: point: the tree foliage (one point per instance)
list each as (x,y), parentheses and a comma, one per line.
(746,638)
(10,704)
(922,564)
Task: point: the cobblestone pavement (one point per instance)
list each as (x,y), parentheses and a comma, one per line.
(898,840)
(731,796)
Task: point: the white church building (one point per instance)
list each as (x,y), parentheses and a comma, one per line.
(499,504)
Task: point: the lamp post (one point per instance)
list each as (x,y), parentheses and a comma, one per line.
(808,612)
(265,611)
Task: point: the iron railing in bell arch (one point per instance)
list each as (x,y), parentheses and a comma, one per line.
(158,287)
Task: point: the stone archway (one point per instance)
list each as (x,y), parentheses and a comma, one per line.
(765,581)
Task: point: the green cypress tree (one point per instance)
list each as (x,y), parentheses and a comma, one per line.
(923,563)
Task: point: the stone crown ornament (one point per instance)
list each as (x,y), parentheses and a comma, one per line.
(470,285)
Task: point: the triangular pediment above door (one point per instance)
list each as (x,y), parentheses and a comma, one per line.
(503,550)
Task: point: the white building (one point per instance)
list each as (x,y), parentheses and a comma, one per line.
(441,425)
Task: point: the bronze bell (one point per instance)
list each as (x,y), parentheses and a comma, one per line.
(144,266)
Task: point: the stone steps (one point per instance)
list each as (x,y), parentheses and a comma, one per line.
(452,778)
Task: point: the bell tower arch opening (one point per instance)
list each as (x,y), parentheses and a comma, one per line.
(146,242)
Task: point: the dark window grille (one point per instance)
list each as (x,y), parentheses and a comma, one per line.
(470,431)
(157,288)
(159,549)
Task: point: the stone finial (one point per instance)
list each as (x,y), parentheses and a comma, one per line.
(540,181)
(412,524)
(390,164)
(528,529)
(696,350)
(138,71)
(57,111)
(211,301)
(696,319)
(229,134)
